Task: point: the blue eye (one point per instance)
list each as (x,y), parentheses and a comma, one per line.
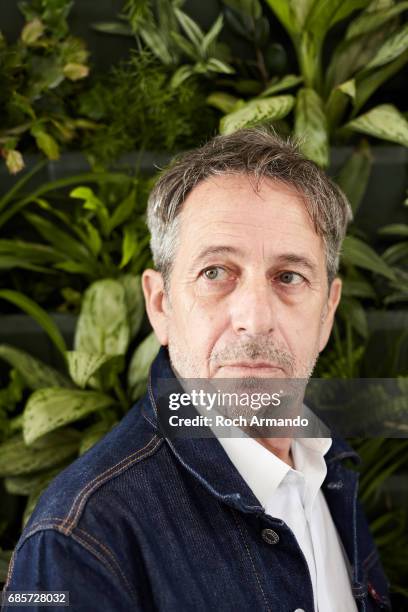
(291,278)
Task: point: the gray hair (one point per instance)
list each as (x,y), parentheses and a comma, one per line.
(258,152)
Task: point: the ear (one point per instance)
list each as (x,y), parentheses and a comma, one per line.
(156,303)
(329,312)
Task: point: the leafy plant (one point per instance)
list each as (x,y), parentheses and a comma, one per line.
(327,105)
(62,414)
(39,74)
(159,117)
(172,35)
(87,236)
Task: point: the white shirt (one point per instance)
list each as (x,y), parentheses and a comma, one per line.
(295,496)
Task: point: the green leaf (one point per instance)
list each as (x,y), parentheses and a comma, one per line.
(123,211)
(216,65)
(283,11)
(94,237)
(61,240)
(352,311)
(182,74)
(35,373)
(193,31)
(286,82)
(396,44)
(129,246)
(395,229)
(212,35)
(94,433)
(223,101)
(38,313)
(17,459)
(112,27)
(355,173)
(103,322)
(383,121)
(51,408)
(358,253)
(256,111)
(45,142)
(357,288)
(83,365)
(134,301)
(25,485)
(368,21)
(320,17)
(140,364)
(369,81)
(311,126)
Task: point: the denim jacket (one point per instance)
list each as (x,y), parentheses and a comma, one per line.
(141,523)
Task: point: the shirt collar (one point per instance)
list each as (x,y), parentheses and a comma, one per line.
(263,471)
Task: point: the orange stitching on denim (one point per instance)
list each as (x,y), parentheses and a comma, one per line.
(97,555)
(96,481)
(109,553)
(252,561)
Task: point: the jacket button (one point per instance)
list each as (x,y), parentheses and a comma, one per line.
(270,536)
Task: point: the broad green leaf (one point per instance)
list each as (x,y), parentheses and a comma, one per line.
(38,313)
(212,35)
(355,173)
(223,101)
(396,253)
(134,301)
(346,8)
(396,44)
(154,40)
(25,485)
(180,75)
(123,211)
(357,288)
(31,252)
(32,31)
(368,21)
(94,433)
(311,126)
(256,111)
(61,240)
(36,374)
(216,65)
(94,237)
(45,142)
(338,101)
(395,229)
(383,121)
(103,322)
(84,365)
(50,408)
(129,246)
(369,81)
(17,459)
(8,262)
(193,31)
(283,11)
(140,364)
(286,82)
(14,161)
(320,17)
(358,253)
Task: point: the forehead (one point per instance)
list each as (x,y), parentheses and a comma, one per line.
(227,208)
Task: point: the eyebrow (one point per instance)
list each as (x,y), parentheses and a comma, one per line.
(283,258)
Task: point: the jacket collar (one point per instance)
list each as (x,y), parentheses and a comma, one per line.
(206,459)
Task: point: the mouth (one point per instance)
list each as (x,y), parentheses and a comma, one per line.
(253,366)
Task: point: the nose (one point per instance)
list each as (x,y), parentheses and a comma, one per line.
(253,308)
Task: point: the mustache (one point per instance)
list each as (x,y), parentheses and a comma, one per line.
(256,350)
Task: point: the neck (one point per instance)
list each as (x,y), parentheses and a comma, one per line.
(279,447)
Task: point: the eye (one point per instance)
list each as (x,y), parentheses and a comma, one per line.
(291,278)
(213,273)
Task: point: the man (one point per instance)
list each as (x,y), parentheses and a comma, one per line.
(245,236)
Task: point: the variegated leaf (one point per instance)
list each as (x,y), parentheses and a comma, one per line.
(35,373)
(134,301)
(103,323)
(51,408)
(140,364)
(256,111)
(383,121)
(311,126)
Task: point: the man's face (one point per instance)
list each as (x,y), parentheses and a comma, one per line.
(248,291)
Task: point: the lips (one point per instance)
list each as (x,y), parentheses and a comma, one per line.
(252,364)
